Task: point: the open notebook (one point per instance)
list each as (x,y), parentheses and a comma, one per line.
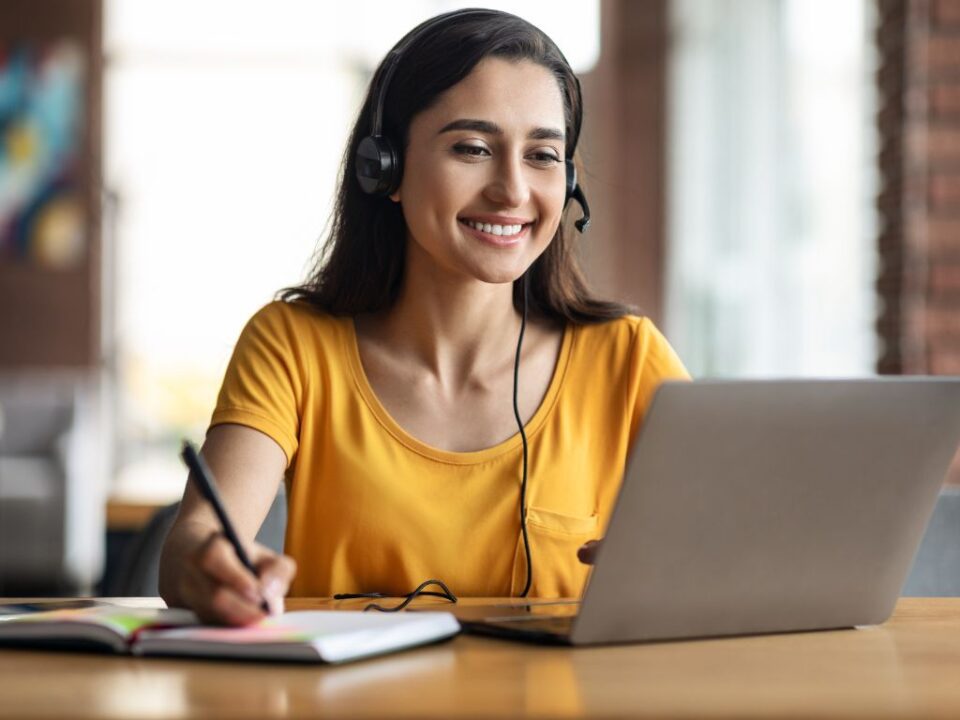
(330,636)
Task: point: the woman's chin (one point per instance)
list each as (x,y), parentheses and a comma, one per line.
(497,270)
(500,277)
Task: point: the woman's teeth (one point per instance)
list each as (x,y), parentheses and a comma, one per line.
(494,229)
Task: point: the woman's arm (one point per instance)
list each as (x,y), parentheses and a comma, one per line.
(198,567)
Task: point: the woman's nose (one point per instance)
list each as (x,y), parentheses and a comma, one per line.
(509,187)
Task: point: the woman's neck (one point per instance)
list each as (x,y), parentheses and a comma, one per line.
(457,329)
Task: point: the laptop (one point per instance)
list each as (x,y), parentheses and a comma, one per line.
(758,507)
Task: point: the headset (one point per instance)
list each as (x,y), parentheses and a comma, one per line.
(379,161)
(379,171)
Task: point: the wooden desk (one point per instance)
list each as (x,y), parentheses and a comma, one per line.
(909,667)
(129,515)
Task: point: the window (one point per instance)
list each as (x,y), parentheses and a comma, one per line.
(771,240)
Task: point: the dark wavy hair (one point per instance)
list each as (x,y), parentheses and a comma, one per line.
(360,268)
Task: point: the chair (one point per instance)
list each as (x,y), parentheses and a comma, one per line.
(51,483)
(139,568)
(936,569)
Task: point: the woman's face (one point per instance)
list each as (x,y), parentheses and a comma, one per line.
(484,179)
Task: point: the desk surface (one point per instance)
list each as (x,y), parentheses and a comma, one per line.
(130,515)
(908,667)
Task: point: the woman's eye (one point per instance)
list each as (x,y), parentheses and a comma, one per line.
(471,150)
(544,158)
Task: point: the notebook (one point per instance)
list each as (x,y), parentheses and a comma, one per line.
(324,636)
(758,507)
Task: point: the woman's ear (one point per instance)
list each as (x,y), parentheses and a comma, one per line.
(395,195)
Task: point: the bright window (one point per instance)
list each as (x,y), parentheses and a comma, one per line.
(772,254)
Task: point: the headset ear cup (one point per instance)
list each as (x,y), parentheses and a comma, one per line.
(571,180)
(378,165)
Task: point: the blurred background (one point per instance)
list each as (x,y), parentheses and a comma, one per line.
(775,182)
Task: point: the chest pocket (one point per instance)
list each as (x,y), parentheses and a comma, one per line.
(554,540)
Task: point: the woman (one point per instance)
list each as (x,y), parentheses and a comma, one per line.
(387,390)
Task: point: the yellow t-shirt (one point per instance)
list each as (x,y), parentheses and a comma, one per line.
(373,509)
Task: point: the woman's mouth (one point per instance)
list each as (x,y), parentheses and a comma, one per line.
(496,233)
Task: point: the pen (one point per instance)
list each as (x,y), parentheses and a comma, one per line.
(204,480)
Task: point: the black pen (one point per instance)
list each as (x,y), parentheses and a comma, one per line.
(204,479)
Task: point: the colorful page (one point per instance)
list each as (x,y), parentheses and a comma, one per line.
(105,627)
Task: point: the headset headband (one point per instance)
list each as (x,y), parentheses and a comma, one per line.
(393,58)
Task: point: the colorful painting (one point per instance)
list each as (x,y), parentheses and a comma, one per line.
(42,216)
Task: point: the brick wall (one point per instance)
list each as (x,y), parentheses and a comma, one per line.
(891,39)
(919,121)
(938,82)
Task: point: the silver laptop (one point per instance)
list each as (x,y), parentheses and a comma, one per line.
(759,507)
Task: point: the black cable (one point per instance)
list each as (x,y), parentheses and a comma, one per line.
(523,439)
(410,596)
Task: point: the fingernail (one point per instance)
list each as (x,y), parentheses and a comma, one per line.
(273,588)
(273,593)
(275,602)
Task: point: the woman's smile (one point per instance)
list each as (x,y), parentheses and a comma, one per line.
(496,230)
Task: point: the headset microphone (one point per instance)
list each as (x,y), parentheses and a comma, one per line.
(583,223)
(574,192)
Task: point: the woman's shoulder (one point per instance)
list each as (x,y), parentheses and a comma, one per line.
(633,337)
(623,329)
(295,332)
(297,318)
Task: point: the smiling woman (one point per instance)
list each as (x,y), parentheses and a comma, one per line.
(380,390)
(467,180)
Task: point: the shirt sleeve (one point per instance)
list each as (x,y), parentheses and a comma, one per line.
(653,361)
(263,385)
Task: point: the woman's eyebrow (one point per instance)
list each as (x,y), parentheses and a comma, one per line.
(489,128)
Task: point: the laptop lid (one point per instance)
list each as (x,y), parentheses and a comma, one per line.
(770,506)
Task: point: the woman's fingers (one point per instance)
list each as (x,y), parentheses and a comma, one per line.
(220,589)
(217,558)
(218,604)
(218,586)
(276,572)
